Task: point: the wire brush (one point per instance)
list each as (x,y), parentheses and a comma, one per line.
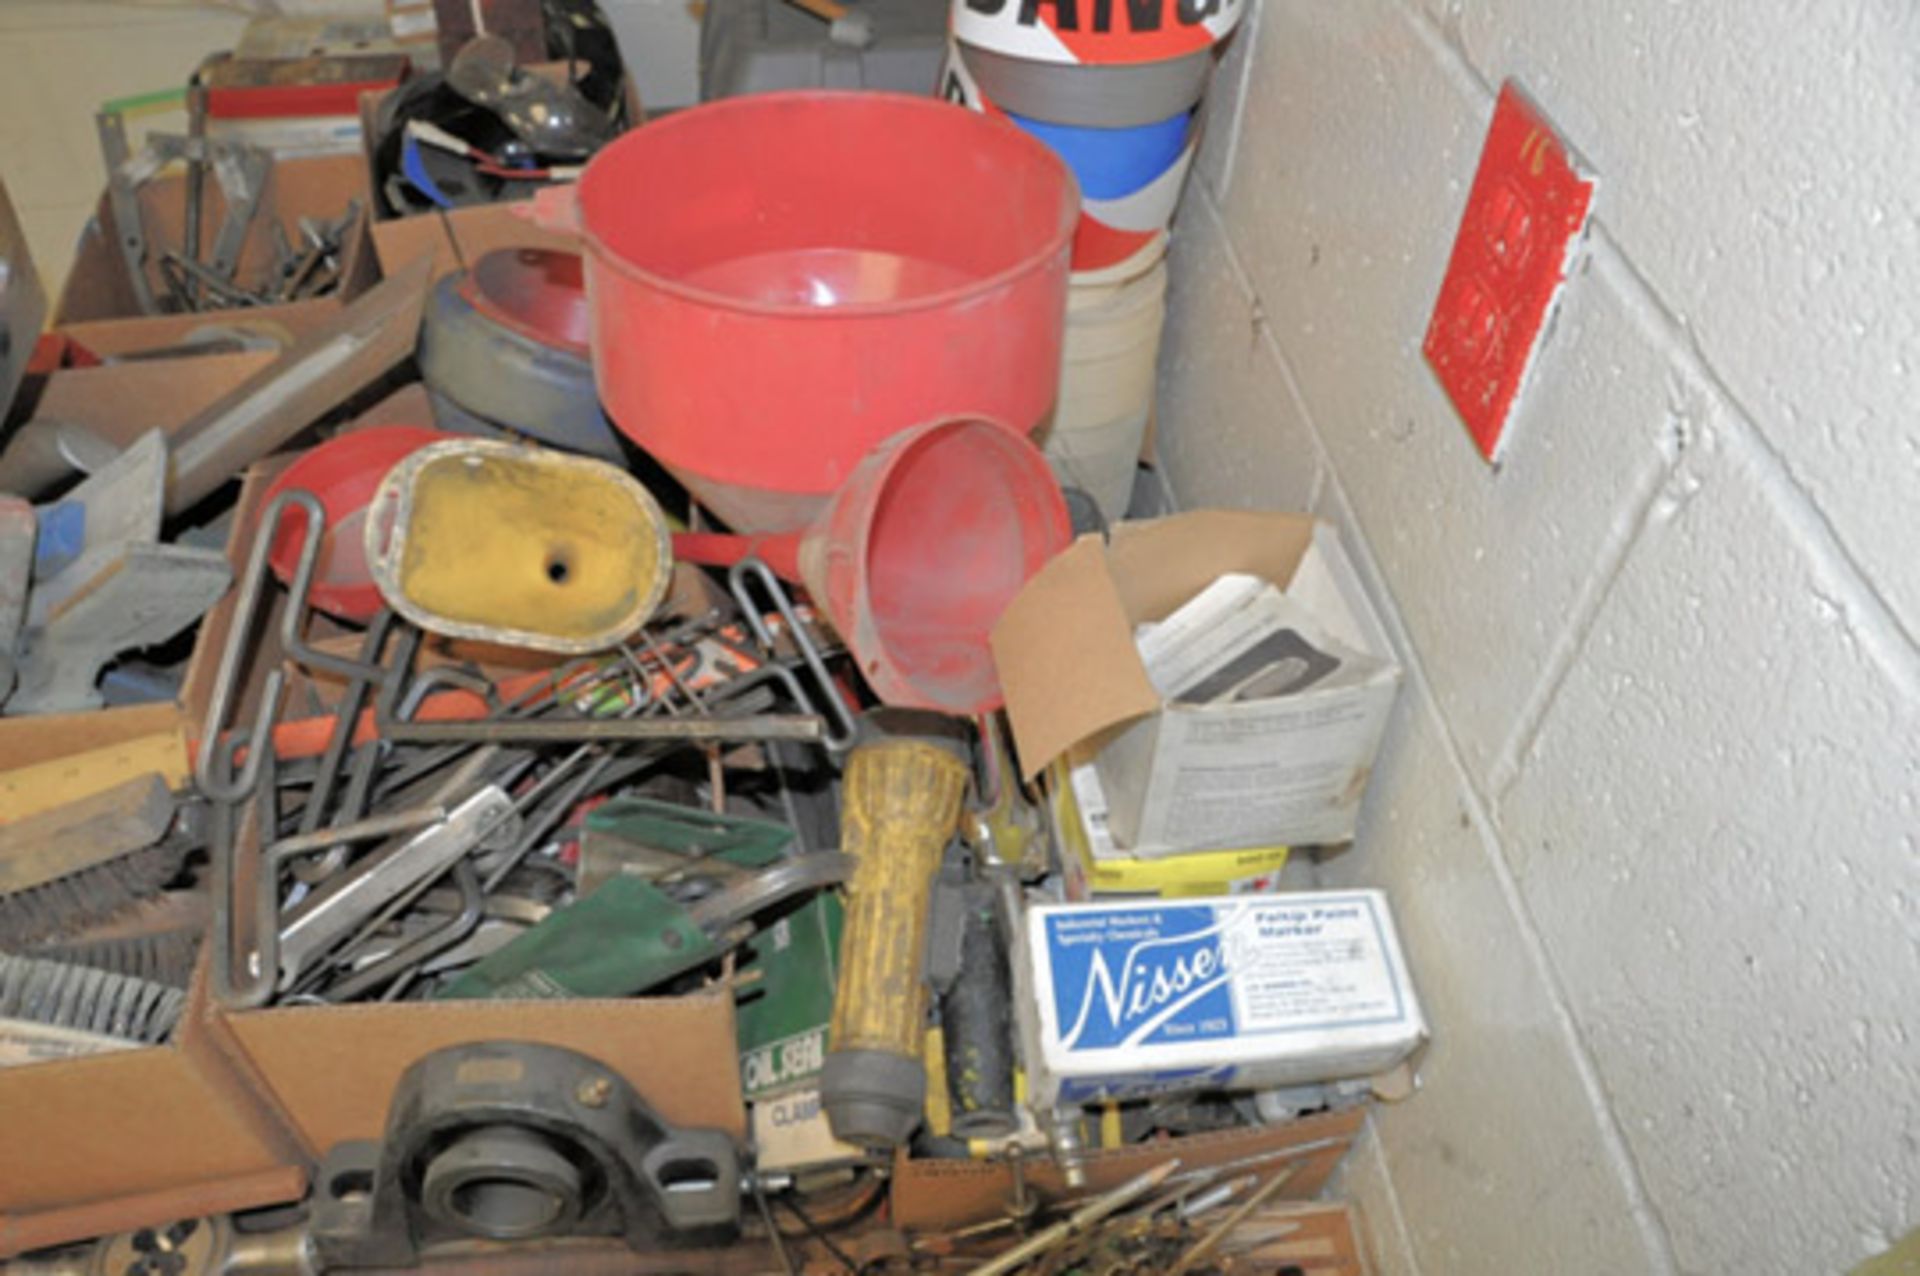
(87,1000)
(92,894)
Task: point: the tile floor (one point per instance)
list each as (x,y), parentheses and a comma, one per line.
(59,59)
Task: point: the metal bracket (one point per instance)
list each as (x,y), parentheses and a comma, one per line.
(513,1141)
(121,591)
(242,171)
(124,198)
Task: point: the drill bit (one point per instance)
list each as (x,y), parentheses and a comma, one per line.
(1077,1222)
(1205,1246)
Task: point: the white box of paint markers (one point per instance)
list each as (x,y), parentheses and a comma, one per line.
(1229,993)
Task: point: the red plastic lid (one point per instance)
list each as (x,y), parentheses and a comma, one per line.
(343,474)
(537,292)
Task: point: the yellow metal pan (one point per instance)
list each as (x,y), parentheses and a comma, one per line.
(516,545)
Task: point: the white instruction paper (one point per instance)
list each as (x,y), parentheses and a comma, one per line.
(1268,724)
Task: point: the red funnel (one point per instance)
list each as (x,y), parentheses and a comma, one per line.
(923,547)
(807,272)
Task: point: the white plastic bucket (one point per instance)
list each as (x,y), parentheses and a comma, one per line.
(1107,380)
(1100,460)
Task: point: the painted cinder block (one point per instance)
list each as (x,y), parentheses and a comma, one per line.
(1500,1161)
(1346,257)
(1232,433)
(1760,176)
(1716,832)
(1220,109)
(1655,641)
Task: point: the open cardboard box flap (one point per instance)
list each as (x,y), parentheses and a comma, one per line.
(120,402)
(1064,647)
(145,334)
(463,236)
(122,1123)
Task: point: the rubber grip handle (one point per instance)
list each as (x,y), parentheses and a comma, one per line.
(900,805)
(976,1017)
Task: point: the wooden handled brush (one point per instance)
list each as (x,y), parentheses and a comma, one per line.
(88,860)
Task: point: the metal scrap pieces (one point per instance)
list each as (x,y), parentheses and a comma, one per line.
(117,589)
(243,173)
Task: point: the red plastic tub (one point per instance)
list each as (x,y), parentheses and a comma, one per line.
(344,473)
(779,282)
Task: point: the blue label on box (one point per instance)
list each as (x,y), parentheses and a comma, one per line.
(1139,977)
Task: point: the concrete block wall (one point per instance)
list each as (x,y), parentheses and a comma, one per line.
(1648,808)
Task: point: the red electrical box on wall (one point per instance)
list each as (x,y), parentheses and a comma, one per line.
(1523,220)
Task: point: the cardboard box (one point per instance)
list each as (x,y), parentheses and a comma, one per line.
(328,1071)
(99,288)
(50,759)
(135,1137)
(1130,998)
(459,238)
(1289,770)
(151,335)
(119,402)
(941,1195)
(236,1111)
(1091,865)
(240,1107)
(791,1133)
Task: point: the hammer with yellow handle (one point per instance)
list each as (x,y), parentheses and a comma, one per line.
(900,805)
